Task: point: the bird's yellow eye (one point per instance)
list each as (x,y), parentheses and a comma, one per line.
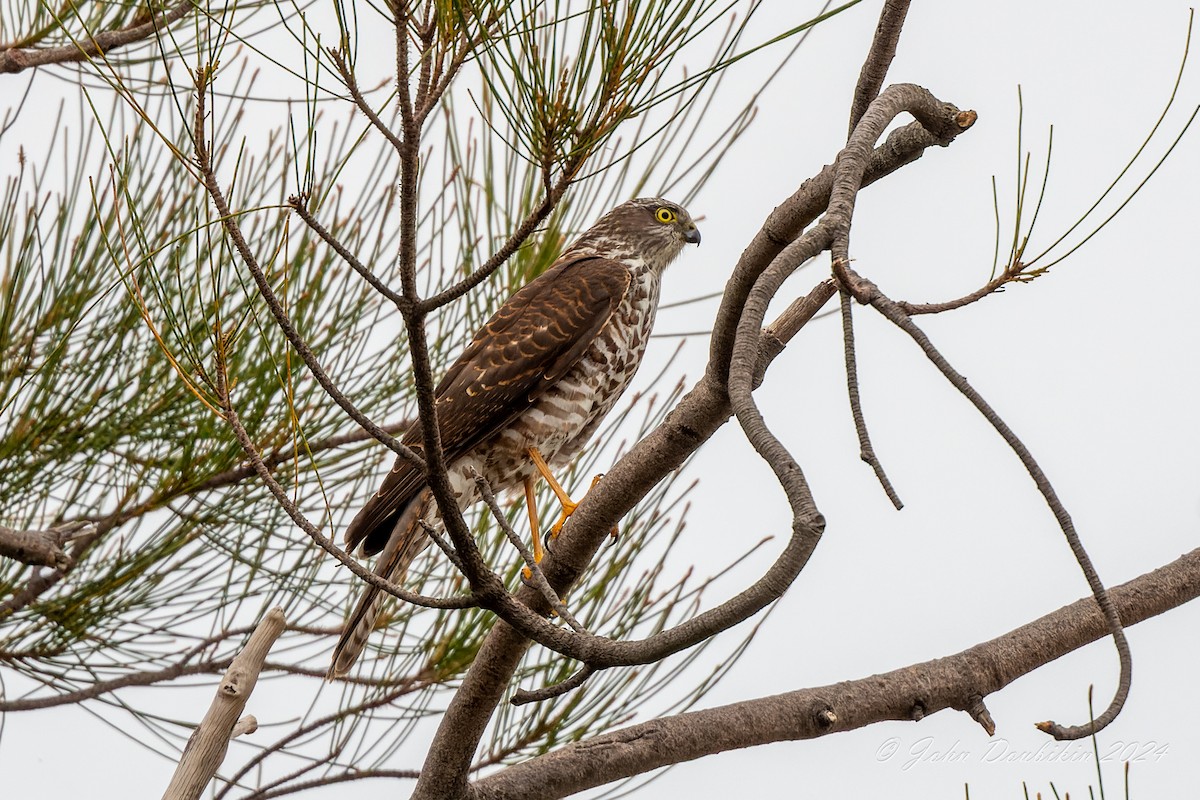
(665,215)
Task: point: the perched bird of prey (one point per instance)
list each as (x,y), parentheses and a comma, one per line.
(529,390)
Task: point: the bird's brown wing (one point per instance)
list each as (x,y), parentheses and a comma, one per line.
(530,342)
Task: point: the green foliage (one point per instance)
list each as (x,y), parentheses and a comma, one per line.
(121,294)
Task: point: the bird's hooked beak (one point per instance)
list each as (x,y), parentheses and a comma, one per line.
(692,235)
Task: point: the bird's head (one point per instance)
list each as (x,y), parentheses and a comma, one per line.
(649,228)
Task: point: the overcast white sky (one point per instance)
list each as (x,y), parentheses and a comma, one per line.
(1094,366)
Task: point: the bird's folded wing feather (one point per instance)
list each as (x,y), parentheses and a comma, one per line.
(531,341)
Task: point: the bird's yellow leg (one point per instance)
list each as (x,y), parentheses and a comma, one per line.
(568,505)
(535,526)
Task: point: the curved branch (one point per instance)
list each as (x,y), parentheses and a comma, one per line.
(958,681)
(879,58)
(523,696)
(700,413)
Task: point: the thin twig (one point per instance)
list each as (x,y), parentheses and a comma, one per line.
(522,696)
(348,77)
(299,205)
(510,246)
(414,683)
(1010,275)
(867,292)
(443,544)
(332,780)
(866,452)
(203,77)
(285,502)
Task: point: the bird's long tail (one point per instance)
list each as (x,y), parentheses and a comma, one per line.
(407,541)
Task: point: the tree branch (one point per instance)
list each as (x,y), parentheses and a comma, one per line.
(20,59)
(866,451)
(206,748)
(39,548)
(879,58)
(958,681)
(868,292)
(703,410)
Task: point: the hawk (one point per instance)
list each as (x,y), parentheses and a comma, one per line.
(528,391)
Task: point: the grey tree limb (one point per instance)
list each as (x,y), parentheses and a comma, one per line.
(207,745)
(866,450)
(959,681)
(868,292)
(39,548)
(879,58)
(19,59)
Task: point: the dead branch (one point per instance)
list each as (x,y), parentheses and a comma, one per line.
(866,451)
(868,292)
(206,747)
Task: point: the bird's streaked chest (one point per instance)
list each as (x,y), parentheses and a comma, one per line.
(562,419)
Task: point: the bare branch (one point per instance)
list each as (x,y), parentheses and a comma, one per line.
(868,292)
(41,582)
(522,696)
(206,748)
(866,451)
(958,681)
(41,548)
(299,205)
(20,59)
(879,58)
